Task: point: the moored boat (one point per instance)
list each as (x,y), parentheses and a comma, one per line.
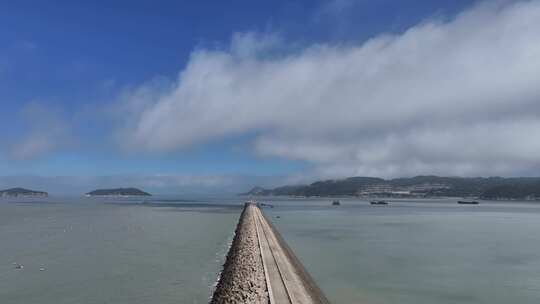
(378,203)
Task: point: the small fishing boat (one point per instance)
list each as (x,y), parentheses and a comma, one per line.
(336,203)
(467,202)
(378,203)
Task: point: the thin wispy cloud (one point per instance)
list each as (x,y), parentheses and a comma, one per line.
(456,96)
(47,131)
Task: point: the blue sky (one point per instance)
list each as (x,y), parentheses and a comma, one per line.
(83,84)
(72,55)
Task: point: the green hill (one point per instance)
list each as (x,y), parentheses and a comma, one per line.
(14,192)
(118,192)
(426,186)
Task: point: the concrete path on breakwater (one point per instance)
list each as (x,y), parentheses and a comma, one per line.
(274,273)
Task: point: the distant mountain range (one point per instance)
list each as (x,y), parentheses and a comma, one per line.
(419,186)
(15,192)
(118,192)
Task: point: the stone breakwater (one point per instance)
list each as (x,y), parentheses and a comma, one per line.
(261,268)
(243,277)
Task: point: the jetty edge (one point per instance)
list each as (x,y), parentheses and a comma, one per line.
(261,268)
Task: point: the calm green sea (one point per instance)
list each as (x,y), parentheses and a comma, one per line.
(95,252)
(416,251)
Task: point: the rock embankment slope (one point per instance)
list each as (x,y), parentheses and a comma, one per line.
(243,278)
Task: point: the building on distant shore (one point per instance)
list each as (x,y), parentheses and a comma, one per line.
(386,189)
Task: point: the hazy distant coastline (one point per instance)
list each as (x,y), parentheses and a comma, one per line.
(493,188)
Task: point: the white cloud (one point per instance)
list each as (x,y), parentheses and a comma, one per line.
(452,97)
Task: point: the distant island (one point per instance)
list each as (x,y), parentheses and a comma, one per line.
(522,188)
(15,192)
(118,192)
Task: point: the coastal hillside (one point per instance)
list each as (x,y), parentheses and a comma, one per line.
(15,192)
(418,186)
(118,192)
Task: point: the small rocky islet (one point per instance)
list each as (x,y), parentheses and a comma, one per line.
(118,192)
(22,192)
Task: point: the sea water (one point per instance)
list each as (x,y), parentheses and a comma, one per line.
(76,250)
(104,250)
(423,251)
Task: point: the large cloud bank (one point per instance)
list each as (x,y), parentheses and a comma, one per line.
(460,96)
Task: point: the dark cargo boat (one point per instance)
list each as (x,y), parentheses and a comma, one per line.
(378,203)
(336,203)
(468,202)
